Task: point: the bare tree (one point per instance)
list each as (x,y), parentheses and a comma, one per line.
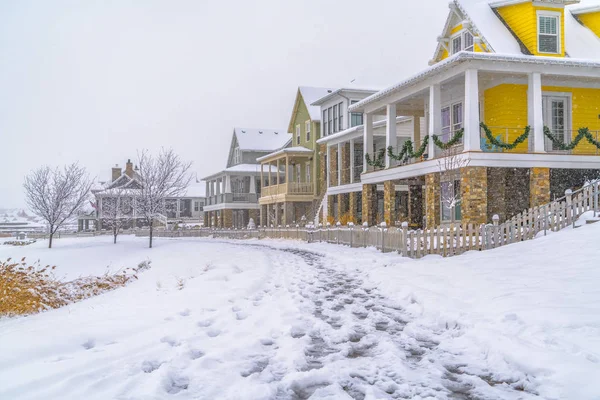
(117,210)
(57,195)
(449,165)
(160,177)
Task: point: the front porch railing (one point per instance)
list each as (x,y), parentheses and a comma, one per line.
(566,136)
(288,188)
(506,135)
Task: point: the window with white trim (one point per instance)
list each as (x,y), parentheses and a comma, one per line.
(335,118)
(463,41)
(307,127)
(307,172)
(340,117)
(548,32)
(452,120)
(237,155)
(356,119)
(298,134)
(324,120)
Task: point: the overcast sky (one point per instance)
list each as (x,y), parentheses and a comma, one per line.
(94,81)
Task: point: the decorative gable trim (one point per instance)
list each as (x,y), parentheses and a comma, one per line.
(295,111)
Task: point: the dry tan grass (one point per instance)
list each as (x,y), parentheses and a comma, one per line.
(29,288)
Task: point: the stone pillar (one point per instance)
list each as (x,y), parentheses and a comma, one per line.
(352,206)
(342,205)
(322,169)
(330,211)
(227,218)
(389,202)
(276,211)
(473,187)
(333,166)
(415,205)
(369,204)
(432,200)
(539,186)
(496,193)
(346,171)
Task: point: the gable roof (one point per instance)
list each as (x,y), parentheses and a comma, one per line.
(340,91)
(580,42)
(260,139)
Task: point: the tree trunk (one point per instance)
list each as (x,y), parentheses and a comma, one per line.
(151,231)
(115,233)
(50,241)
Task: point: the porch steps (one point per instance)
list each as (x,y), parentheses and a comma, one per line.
(322,206)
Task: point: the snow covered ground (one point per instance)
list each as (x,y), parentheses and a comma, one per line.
(217,319)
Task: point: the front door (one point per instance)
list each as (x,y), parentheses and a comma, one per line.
(556,110)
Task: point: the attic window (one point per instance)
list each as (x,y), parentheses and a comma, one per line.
(548,32)
(462,41)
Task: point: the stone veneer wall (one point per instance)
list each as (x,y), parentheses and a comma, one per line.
(389,202)
(432,200)
(539,186)
(227,218)
(322,169)
(415,206)
(333,161)
(473,185)
(496,192)
(369,204)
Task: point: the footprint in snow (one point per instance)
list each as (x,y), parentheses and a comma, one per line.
(267,342)
(170,341)
(185,313)
(175,382)
(241,315)
(89,344)
(213,332)
(195,354)
(205,324)
(236,308)
(149,366)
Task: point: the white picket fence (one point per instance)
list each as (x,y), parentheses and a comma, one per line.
(448,240)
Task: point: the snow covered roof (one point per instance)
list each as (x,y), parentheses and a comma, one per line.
(580,41)
(465,56)
(287,150)
(196,189)
(311,95)
(343,90)
(589,7)
(241,168)
(261,139)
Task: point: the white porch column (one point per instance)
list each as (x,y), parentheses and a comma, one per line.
(287,171)
(207,189)
(252,184)
(227,188)
(352,161)
(435,117)
(339,164)
(535,116)
(328,165)
(262,178)
(278,171)
(367,140)
(471,139)
(390,132)
(218,187)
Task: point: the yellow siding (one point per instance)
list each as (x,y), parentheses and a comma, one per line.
(457,28)
(592,21)
(522,20)
(506,106)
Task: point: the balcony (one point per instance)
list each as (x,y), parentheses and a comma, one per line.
(232,198)
(292,188)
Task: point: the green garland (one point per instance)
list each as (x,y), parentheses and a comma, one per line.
(508,146)
(453,141)
(379,162)
(407,151)
(582,132)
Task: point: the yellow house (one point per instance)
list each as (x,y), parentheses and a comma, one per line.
(511,107)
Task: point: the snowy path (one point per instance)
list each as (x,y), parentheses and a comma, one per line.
(280,320)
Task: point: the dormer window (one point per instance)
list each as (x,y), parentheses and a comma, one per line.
(548,32)
(462,42)
(237,156)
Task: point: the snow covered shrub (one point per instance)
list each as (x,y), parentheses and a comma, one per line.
(29,288)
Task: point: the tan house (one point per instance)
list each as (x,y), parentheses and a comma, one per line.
(295,196)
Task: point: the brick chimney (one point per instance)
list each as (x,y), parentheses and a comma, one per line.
(116,172)
(129,169)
